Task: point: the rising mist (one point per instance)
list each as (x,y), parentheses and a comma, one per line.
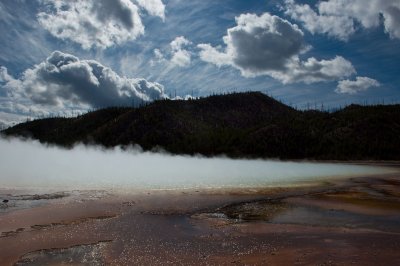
(28,164)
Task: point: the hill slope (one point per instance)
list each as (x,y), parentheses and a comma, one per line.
(239,125)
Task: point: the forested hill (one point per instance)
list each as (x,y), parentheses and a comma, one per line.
(238,125)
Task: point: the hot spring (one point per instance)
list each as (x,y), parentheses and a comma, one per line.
(30,165)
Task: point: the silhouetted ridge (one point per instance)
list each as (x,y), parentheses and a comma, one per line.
(239,125)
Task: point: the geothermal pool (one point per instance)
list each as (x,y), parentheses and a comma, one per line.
(29,164)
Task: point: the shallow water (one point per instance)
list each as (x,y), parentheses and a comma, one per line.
(29,164)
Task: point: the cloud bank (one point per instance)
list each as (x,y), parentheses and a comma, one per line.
(64,80)
(340,18)
(272,46)
(30,165)
(97,23)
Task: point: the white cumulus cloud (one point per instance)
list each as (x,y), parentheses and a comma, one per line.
(4,76)
(178,43)
(64,80)
(270,45)
(96,23)
(180,56)
(214,55)
(177,54)
(158,55)
(339,18)
(355,86)
(153,7)
(313,70)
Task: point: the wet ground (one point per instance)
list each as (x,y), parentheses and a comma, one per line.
(352,221)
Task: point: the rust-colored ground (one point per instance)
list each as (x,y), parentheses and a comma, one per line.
(355,221)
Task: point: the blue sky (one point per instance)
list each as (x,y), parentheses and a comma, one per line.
(64,57)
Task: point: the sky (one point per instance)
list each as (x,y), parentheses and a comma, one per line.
(65,57)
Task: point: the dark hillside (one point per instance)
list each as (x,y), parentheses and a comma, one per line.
(239,125)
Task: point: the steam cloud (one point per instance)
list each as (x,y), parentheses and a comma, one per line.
(29,165)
